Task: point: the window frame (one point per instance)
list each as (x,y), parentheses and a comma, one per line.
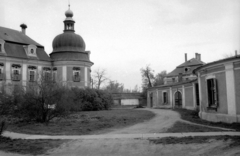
(16,72)
(31,76)
(212,92)
(165,101)
(46,73)
(1,71)
(76,74)
(54,73)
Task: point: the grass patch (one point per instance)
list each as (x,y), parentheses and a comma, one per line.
(82,123)
(197,140)
(181,127)
(192,116)
(33,147)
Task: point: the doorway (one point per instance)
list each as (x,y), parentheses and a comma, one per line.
(178,99)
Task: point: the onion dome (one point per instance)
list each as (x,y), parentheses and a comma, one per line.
(68,41)
(68,45)
(69,13)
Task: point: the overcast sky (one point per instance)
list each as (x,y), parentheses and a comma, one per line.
(126,35)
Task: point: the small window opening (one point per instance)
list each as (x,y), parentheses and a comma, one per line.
(165,100)
(31,76)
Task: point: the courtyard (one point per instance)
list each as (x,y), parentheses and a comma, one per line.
(157,135)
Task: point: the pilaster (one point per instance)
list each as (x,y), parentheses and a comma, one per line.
(230,81)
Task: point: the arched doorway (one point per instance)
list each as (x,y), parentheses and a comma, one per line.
(178,99)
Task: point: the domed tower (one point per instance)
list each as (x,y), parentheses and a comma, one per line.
(71,63)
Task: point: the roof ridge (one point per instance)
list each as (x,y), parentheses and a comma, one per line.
(13,35)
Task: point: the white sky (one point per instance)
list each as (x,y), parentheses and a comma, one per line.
(126,35)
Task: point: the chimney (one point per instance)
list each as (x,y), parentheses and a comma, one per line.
(23,26)
(198,56)
(236,53)
(185,57)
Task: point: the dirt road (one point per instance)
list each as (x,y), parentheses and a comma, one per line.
(163,120)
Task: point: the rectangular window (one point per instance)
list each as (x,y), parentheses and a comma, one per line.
(16,75)
(212,92)
(54,75)
(31,76)
(76,76)
(16,69)
(47,76)
(165,100)
(15,72)
(1,73)
(0,47)
(173,79)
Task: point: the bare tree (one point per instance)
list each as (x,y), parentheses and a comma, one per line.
(136,89)
(159,78)
(114,87)
(100,77)
(147,76)
(43,100)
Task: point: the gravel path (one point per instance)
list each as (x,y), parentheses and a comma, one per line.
(126,141)
(163,120)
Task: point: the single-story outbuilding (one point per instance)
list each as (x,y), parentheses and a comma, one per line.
(181,95)
(126,98)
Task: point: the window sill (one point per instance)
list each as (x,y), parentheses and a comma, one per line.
(212,108)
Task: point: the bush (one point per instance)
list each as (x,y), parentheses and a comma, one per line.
(3,126)
(36,102)
(90,100)
(6,108)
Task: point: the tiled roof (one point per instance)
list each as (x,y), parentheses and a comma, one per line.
(15,41)
(16,50)
(16,36)
(237,57)
(192,64)
(70,56)
(178,70)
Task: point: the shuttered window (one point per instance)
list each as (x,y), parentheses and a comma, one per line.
(212,92)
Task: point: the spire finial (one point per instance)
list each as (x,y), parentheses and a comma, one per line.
(69,4)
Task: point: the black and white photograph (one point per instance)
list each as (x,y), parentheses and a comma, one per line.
(119,77)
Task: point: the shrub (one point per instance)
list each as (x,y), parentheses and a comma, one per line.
(41,102)
(91,100)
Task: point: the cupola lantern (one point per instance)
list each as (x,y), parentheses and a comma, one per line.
(69,22)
